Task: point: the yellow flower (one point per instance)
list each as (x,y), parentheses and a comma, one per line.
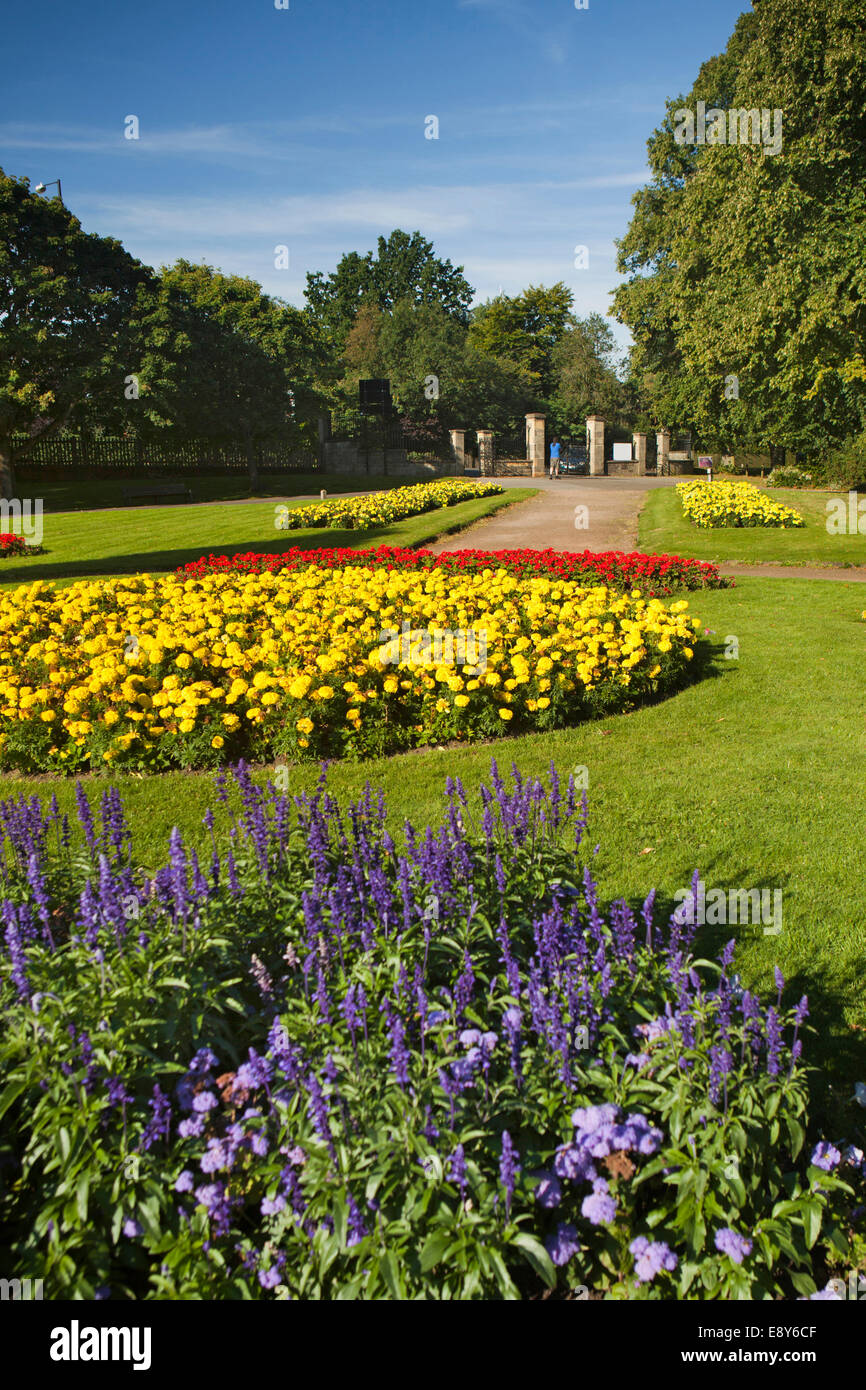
(305,726)
(506,714)
(217,741)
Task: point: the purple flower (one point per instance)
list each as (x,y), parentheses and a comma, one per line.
(184,1182)
(191,1128)
(457,1168)
(574,1162)
(132,1228)
(203,1102)
(548,1193)
(728,1242)
(593,1117)
(272,1205)
(599,1208)
(563,1245)
(508,1169)
(826,1295)
(826,1156)
(269,1278)
(651,1257)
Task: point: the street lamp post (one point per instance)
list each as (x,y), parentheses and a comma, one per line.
(41,187)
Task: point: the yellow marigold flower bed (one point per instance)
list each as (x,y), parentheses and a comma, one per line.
(733,504)
(152,673)
(360,513)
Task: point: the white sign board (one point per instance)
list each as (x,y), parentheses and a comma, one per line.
(621,453)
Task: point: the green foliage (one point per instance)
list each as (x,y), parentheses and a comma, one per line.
(69,317)
(324,1158)
(403,268)
(750,263)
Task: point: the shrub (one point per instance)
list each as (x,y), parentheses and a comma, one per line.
(331,1066)
(790,476)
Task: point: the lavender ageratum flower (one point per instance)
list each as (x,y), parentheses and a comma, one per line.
(465,1068)
(191,1128)
(548,1193)
(204,1061)
(592,1117)
(729,1243)
(599,1208)
(132,1228)
(203,1102)
(826,1156)
(638,1060)
(572,1161)
(508,1169)
(827,1295)
(470,1037)
(271,1206)
(563,1245)
(435,1017)
(184,1183)
(269,1278)
(651,1257)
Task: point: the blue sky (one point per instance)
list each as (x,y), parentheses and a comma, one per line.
(305,127)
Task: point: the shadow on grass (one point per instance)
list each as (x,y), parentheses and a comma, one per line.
(152,561)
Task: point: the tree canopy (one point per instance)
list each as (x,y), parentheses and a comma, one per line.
(404,268)
(69,318)
(747,262)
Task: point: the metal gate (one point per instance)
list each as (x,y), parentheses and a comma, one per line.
(510,453)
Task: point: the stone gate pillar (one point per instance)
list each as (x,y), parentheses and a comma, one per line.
(458,449)
(536,443)
(485,452)
(595,429)
(639,444)
(663,449)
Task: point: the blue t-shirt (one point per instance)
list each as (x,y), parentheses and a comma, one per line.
(554,451)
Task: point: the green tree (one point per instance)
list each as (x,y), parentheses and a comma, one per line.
(225,361)
(69,320)
(436,372)
(526,330)
(585,381)
(404,268)
(747,263)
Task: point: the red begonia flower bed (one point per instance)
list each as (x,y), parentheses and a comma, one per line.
(655,575)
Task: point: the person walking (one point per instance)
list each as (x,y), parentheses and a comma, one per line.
(554,458)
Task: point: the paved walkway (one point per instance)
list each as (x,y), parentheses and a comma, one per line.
(607,521)
(611,522)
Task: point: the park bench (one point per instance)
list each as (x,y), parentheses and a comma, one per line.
(142,490)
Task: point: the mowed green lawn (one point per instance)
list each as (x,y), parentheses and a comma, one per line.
(754,776)
(74,494)
(664,529)
(153,540)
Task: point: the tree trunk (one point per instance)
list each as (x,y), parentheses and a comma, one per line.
(7,471)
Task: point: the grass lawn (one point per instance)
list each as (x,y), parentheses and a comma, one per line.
(76,494)
(664,529)
(754,776)
(147,540)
